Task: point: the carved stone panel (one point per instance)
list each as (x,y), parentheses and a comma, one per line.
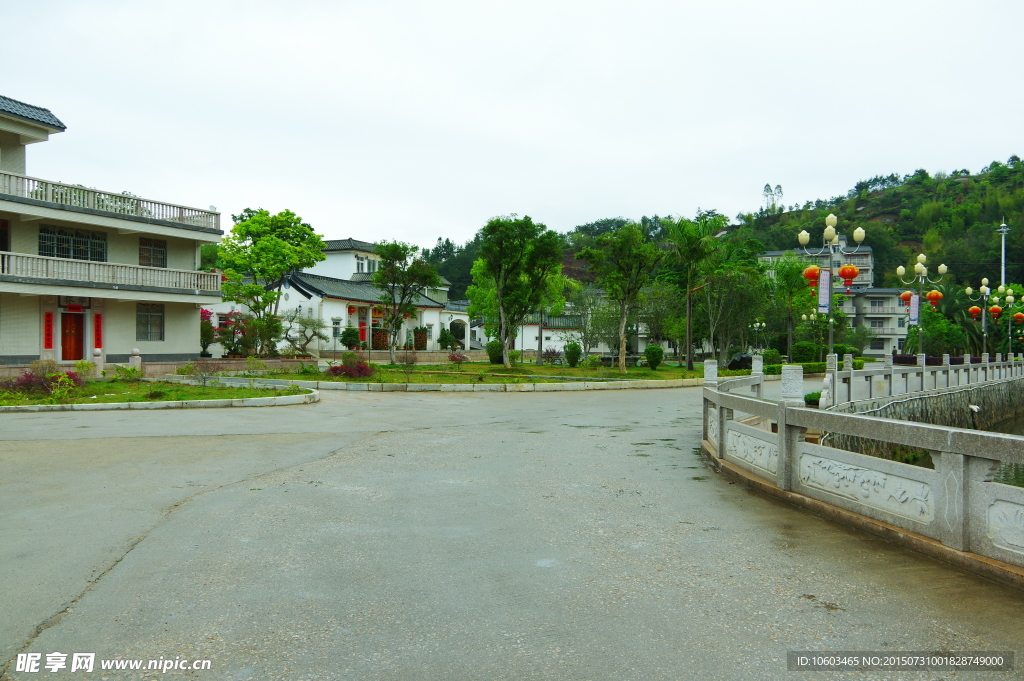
(758,453)
(890,493)
(1006,525)
(713,426)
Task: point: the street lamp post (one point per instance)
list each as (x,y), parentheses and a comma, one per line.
(984,292)
(920,278)
(1003,230)
(831,246)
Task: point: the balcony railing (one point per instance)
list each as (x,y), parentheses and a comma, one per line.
(110,273)
(868,311)
(107,202)
(888,330)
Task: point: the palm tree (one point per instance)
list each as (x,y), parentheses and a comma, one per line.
(695,243)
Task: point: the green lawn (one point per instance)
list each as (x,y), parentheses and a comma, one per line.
(111,391)
(471,372)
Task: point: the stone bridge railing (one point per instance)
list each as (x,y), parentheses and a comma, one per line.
(956,504)
(844,384)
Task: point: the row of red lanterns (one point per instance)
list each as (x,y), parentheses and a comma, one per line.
(847,273)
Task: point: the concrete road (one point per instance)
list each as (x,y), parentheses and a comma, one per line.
(443,536)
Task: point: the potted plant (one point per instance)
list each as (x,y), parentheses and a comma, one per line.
(350,338)
(419,337)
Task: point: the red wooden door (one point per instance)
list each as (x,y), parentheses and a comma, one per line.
(72,336)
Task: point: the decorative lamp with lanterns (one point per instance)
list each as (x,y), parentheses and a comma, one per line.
(934,297)
(848,273)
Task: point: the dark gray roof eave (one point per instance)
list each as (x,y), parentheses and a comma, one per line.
(36,115)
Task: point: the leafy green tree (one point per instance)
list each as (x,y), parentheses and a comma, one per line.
(624,263)
(584,305)
(695,245)
(401,276)
(259,252)
(301,330)
(790,295)
(941,335)
(517,257)
(662,305)
(734,295)
(349,337)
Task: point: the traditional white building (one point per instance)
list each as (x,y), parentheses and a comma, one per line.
(339,291)
(89,274)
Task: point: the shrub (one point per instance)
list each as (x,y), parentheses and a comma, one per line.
(407,361)
(457,358)
(594,362)
(772,356)
(805,351)
(573,353)
(204,370)
(494,349)
(514,356)
(128,374)
(43,367)
(349,337)
(551,356)
(308,369)
(446,339)
(185,370)
(356,370)
(84,367)
(31,382)
(813,399)
(349,358)
(654,355)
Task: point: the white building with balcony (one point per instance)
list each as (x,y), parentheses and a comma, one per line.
(339,290)
(89,274)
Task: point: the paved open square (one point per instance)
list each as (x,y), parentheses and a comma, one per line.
(443,536)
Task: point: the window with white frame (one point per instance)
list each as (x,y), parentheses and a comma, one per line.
(878,344)
(877,323)
(877,302)
(360,264)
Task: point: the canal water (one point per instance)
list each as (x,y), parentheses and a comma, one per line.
(1011,473)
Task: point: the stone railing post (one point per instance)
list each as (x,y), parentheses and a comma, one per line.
(922,361)
(711,373)
(966,371)
(848,366)
(790,437)
(135,360)
(757,369)
(889,377)
(951,502)
(945,369)
(984,367)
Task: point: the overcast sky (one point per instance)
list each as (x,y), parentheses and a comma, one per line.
(413,120)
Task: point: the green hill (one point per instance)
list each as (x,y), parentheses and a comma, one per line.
(951,218)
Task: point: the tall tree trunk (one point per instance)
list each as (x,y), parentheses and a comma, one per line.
(789,335)
(689,330)
(623,313)
(540,336)
(503,335)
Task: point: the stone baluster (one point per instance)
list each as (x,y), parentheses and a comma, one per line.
(711,373)
(757,369)
(945,370)
(790,437)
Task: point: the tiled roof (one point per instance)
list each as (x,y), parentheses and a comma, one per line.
(27,112)
(346,289)
(350,245)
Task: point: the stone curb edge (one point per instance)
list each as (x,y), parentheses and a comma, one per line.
(990,568)
(278,401)
(455,387)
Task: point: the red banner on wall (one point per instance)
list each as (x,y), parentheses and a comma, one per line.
(48,331)
(97,329)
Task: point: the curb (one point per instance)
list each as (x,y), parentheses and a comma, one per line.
(278,401)
(996,570)
(455,387)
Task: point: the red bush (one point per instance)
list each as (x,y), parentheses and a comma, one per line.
(357,370)
(29,382)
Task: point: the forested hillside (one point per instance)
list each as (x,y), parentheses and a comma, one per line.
(951,218)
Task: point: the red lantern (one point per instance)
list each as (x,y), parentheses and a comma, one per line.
(995,311)
(848,273)
(1018,317)
(905,297)
(811,274)
(975,311)
(934,297)
(351,310)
